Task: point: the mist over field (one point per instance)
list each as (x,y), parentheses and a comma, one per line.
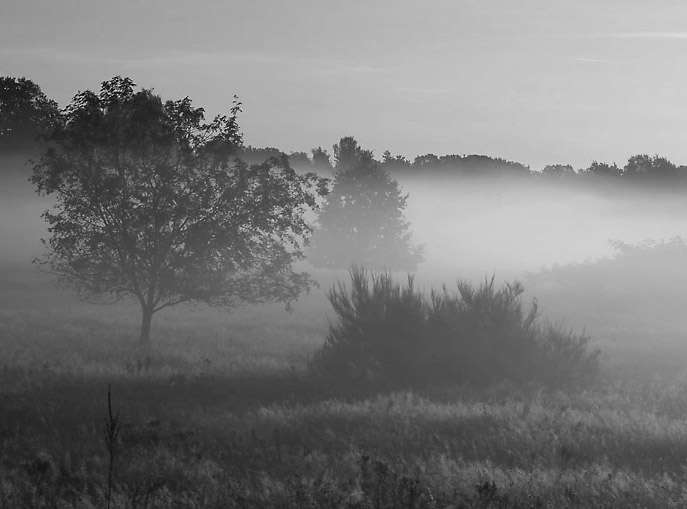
(559,238)
(514,226)
(469,228)
(352,255)
(21,221)
(472,226)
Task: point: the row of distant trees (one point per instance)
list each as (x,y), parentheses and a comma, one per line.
(26,113)
(639,168)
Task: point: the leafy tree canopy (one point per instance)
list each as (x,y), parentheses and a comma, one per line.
(394,163)
(25,114)
(656,168)
(558,171)
(300,161)
(321,161)
(603,169)
(472,165)
(254,155)
(153,204)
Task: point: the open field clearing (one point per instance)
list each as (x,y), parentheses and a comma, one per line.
(219,412)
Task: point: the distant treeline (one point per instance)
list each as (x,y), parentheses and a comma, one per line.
(639,168)
(26,113)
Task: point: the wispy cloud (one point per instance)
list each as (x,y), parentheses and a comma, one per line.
(332,70)
(428,91)
(592,60)
(165,59)
(175,59)
(648,35)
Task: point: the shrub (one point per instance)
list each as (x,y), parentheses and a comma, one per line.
(390,335)
(640,288)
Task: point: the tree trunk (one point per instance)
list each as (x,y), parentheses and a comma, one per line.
(145,325)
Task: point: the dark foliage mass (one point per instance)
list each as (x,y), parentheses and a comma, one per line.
(362,219)
(153,204)
(26,114)
(463,165)
(318,161)
(389,335)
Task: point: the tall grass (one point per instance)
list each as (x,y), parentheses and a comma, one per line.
(214,417)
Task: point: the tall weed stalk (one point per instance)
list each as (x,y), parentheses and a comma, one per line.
(113,427)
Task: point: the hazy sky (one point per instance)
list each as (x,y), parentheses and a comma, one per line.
(537,81)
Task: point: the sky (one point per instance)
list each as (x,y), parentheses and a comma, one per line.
(535,81)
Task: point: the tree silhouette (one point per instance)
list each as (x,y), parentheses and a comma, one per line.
(362,219)
(558,171)
(395,164)
(603,170)
(300,162)
(153,205)
(467,166)
(320,161)
(657,169)
(25,114)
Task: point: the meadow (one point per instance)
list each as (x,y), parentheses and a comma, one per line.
(219,411)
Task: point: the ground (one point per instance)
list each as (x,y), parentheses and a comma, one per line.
(219,411)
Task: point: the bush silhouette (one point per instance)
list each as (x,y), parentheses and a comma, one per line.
(391,336)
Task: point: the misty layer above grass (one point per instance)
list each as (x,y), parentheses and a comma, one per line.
(509,227)
(640,288)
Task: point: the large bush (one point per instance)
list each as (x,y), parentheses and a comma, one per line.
(390,335)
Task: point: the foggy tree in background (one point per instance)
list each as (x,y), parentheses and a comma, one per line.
(603,170)
(394,164)
(320,161)
(254,155)
(348,155)
(25,114)
(558,171)
(152,204)
(362,219)
(472,165)
(657,169)
(300,161)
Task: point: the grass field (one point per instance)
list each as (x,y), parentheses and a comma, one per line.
(219,412)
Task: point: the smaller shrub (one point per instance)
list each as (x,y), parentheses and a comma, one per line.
(391,336)
(379,337)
